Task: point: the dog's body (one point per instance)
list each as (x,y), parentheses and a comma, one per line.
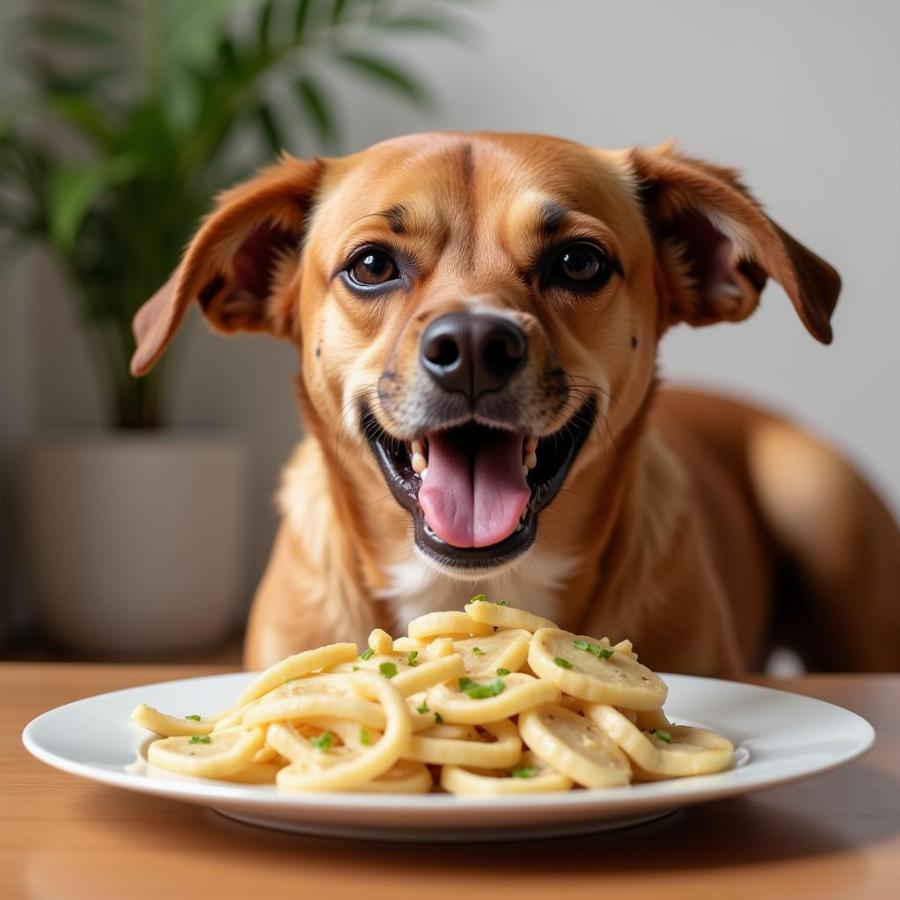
(479,305)
(735,527)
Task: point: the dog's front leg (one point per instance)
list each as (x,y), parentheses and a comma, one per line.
(303,603)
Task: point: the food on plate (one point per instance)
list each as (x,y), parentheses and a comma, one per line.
(489,701)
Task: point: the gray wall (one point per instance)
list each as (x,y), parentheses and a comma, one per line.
(803,95)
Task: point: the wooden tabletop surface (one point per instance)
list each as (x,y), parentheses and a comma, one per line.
(62,838)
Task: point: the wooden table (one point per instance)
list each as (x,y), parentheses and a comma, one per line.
(62,838)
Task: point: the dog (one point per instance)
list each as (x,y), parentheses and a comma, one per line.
(477,319)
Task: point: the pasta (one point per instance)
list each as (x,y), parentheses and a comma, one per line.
(489,701)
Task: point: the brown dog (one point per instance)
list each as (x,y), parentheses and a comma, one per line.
(477,318)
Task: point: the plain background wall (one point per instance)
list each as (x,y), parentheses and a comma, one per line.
(801,94)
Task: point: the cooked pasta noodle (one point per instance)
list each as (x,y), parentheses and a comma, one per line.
(492,701)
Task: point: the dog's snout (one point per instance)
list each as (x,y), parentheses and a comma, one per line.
(473,353)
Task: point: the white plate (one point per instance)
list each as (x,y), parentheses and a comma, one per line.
(779,737)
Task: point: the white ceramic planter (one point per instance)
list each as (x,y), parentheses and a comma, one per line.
(136,543)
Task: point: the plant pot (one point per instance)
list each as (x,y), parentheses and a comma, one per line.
(136,543)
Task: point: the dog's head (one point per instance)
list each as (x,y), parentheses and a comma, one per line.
(473,309)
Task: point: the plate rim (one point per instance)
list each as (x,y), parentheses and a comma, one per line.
(680,792)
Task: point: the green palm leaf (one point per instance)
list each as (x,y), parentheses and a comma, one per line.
(271,130)
(385,72)
(433,23)
(318,109)
(264,26)
(74,189)
(338,8)
(84,116)
(301,18)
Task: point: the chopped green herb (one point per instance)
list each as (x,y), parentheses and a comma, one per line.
(288,681)
(438,719)
(367,654)
(193,717)
(478,651)
(523,772)
(481,691)
(200,739)
(322,742)
(662,734)
(364,737)
(422,708)
(412,657)
(388,669)
(593,649)
(502,671)
(482,598)
(562,662)
(356,668)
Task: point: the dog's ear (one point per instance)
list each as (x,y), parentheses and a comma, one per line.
(240,265)
(717,247)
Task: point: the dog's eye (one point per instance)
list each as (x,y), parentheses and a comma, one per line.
(581,265)
(372,266)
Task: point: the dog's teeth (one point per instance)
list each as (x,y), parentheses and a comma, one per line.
(424,473)
(416,447)
(530,460)
(525,471)
(531,445)
(419,463)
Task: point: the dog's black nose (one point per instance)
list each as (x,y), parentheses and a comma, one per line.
(472,353)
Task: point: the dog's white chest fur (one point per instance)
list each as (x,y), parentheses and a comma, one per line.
(416,588)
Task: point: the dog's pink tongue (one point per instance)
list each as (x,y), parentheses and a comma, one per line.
(474,497)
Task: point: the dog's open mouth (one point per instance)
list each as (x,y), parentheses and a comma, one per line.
(475,491)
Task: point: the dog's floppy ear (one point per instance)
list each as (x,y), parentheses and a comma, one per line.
(717,247)
(240,263)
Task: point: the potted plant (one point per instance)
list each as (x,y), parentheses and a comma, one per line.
(138,114)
